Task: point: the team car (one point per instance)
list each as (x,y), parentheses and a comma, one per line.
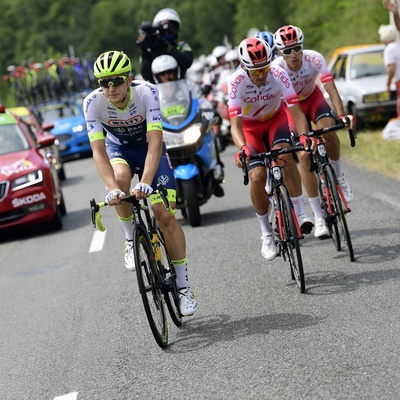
(69,127)
(30,189)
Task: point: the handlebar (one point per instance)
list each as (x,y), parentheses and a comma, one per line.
(95,207)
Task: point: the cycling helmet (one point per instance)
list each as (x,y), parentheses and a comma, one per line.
(254,53)
(232,55)
(164,63)
(167,14)
(288,36)
(219,51)
(111,63)
(267,37)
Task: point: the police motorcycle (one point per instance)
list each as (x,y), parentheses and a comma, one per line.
(188,134)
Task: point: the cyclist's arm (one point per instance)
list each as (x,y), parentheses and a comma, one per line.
(237,131)
(333,93)
(299,118)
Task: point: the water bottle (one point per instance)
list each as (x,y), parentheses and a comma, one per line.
(156,246)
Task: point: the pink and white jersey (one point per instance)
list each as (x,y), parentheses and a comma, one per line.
(259,103)
(303,80)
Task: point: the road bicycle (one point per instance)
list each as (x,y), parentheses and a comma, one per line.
(333,201)
(287,232)
(154,270)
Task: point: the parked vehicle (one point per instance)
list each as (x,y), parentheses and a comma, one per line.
(190,140)
(360,76)
(30,189)
(53,152)
(69,127)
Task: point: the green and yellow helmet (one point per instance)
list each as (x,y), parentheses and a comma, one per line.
(111,63)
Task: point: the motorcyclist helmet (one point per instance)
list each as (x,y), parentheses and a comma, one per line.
(232,55)
(112,63)
(219,51)
(267,37)
(288,36)
(164,64)
(254,53)
(167,18)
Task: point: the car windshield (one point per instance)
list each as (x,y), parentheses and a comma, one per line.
(12,139)
(367,64)
(54,112)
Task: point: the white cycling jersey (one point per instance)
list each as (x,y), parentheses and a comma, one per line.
(259,103)
(124,127)
(391,55)
(304,80)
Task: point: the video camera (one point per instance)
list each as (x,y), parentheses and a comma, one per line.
(150,34)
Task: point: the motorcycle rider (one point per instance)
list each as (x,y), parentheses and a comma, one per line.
(162,37)
(165,69)
(124,126)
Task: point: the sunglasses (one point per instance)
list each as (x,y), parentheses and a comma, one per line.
(117,81)
(259,71)
(296,50)
(167,72)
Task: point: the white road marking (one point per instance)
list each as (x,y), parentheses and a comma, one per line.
(69,396)
(98,240)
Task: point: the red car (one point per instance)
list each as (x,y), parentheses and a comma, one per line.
(30,189)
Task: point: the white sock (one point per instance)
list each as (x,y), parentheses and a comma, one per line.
(298,204)
(315,204)
(127,225)
(181,276)
(337,167)
(264,223)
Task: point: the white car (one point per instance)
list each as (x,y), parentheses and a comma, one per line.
(360,77)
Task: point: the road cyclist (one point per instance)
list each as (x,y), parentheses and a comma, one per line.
(124,126)
(257,92)
(303,68)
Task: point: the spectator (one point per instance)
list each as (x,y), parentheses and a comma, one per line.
(393,7)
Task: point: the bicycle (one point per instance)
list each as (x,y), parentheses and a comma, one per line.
(287,232)
(333,201)
(154,269)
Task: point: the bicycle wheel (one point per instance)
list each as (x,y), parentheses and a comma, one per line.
(329,208)
(170,290)
(291,244)
(337,205)
(149,286)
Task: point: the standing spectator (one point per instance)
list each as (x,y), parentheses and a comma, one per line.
(391,58)
(393,7)
(162,37)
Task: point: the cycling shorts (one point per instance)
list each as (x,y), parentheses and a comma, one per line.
(263,135)
(314,108)
(135,157)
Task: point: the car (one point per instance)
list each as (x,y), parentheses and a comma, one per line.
(360,77)
(69,127)
(30,189)
(53,152)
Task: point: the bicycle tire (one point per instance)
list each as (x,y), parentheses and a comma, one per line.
(341,220)
(291,245)
(330,206)
(149,286)
(170,289)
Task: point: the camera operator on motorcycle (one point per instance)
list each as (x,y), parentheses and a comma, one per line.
(162,37)
(165,69)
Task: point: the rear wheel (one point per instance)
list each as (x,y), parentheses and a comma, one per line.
(291,245)
(149,287)
(192,204)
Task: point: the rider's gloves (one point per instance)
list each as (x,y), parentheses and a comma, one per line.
(244,151)
(143,187)
(345,119)
(305,141)
(114,194)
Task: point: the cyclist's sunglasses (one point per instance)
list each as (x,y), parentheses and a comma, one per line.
(167,72)
(259,71)
(117,81)
(295,49)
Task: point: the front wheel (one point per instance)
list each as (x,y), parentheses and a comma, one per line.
(291,244)
(149,286)
(192,203)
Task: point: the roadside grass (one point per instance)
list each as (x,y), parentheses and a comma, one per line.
(372,152)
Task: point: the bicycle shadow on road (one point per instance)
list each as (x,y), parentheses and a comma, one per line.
(203,332)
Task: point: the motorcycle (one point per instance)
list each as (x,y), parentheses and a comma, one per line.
(190,140)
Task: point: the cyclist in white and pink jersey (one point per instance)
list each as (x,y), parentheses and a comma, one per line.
(303,68)
(123,119)
(256,97)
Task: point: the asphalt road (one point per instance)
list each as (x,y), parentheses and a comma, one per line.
(72,325)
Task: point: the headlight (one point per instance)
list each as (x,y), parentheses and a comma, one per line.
(376,97)
(185,138)
(78,128)
(33,178)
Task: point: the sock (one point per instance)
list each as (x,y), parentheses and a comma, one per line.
(181,273)
(127,225)
(337,167)
(264,223)
(315,204)
(298,204)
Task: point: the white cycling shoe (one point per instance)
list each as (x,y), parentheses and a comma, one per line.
(346,189)
(187,302)
(129,256)
(268,248)
(321,229)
